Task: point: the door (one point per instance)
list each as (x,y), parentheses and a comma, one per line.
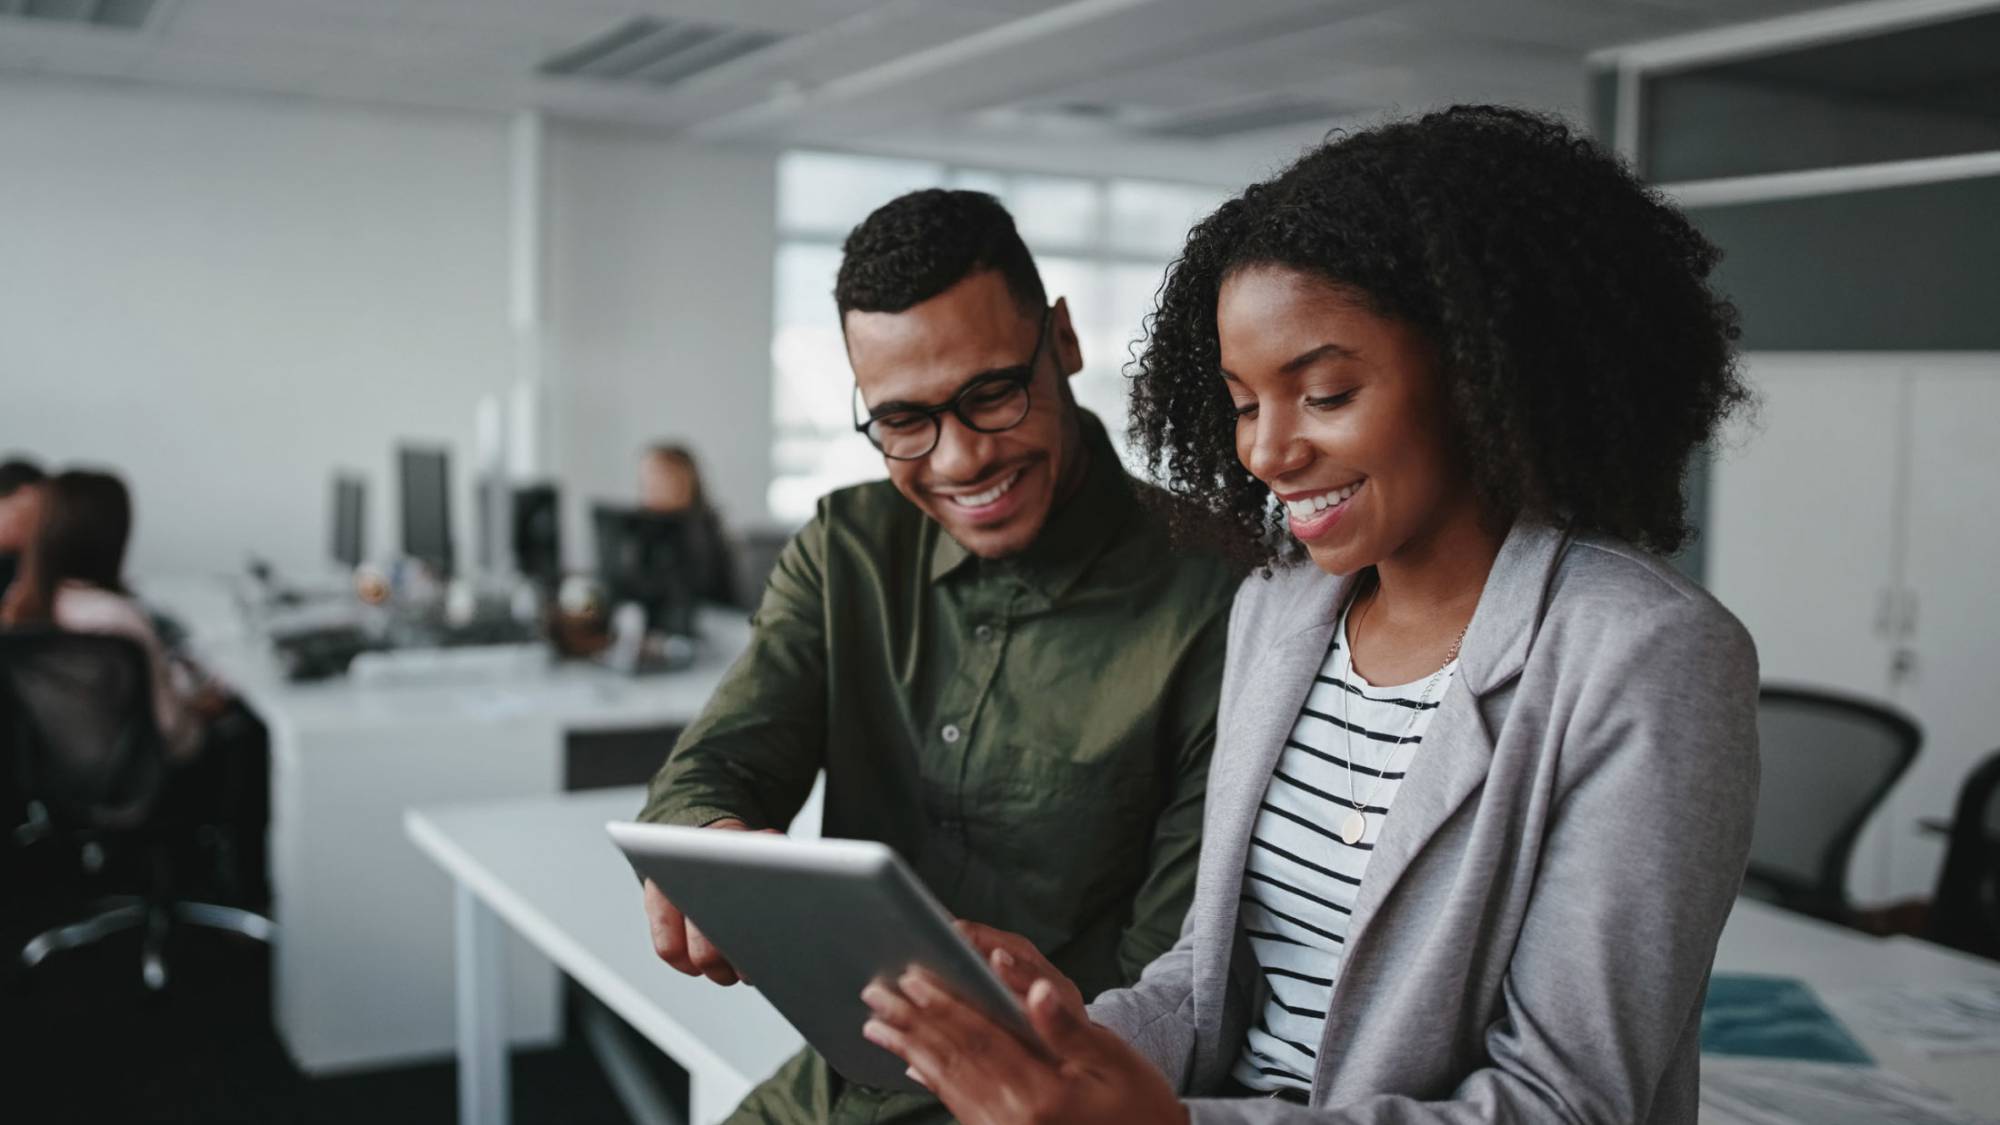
(1804,531)
(1948,675)
(1802,535)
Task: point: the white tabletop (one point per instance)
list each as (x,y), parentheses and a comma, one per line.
(546,866)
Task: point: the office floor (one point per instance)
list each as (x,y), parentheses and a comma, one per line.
(82,1041)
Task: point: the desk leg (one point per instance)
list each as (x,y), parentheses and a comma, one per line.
(483,1094)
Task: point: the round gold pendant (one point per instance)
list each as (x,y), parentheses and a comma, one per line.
(1353,826)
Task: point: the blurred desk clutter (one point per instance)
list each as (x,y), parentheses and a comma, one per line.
(407,677)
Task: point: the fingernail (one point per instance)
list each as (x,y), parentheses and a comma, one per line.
(915,1077)
(1003,958)
(915,987)
(872,1032)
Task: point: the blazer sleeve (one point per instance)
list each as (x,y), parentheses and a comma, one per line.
(1657,792)
(1156,1014)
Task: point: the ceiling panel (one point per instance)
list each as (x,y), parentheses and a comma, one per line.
(897,73)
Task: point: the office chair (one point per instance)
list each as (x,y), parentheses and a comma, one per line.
(1965,912)
(1828,762)
(76,720)
(757,551)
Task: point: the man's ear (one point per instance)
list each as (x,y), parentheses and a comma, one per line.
(1062,337)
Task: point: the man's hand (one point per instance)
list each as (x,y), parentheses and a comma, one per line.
(1082,1075)
(678,941)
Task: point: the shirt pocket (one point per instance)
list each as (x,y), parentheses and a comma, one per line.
(1077,817)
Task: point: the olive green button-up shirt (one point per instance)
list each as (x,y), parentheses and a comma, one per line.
(1031,734)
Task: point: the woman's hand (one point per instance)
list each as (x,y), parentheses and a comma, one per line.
(1019,964)
(1080,1073)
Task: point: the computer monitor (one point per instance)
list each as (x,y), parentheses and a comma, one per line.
(538,532)
(350,495)
(425,475)
(653,559)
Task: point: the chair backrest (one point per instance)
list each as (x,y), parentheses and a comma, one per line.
(79,721)
(1965,913)
(1828,761)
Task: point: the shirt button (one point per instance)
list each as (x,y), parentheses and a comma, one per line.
(984,633)
(950,732)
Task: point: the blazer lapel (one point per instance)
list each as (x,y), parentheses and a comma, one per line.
(1458,748)
(1261,719)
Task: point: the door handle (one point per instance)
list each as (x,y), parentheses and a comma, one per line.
(1903,665)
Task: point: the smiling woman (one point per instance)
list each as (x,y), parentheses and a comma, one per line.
(1485,766)
(1581,355)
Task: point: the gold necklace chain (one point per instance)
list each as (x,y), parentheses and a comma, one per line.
(1355,824)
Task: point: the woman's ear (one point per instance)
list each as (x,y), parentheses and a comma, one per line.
(1063,339)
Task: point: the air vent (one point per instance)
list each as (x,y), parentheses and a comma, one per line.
(125,14)
(659,52)
(1247,117)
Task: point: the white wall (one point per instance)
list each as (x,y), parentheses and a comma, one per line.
(226,299)
(659,297)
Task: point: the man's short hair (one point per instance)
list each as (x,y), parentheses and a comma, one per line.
(919,245)
(18,472)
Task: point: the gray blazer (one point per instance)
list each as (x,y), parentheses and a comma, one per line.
(1533,937)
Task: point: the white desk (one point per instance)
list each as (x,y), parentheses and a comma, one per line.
(362,970)
(1838,962)
(544,868)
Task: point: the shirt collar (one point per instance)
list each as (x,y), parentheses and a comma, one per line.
(1076,532)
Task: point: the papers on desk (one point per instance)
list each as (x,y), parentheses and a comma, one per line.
(1789,1092)
(1773,1055)
(1772,1017)
(1963,1019)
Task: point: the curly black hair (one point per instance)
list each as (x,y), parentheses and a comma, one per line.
(1584,356)
(920,244)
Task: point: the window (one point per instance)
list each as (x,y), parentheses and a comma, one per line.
(1103,244)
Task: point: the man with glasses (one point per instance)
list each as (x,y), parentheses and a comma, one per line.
(1002,667)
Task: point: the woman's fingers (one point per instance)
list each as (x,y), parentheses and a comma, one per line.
(954,1050)
(1018,977)
(1016,961)
(1060,1026)
(987,940)
(888,1005)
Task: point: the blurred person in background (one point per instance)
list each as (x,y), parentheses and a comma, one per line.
(72,578)
(670,484)
(18,496)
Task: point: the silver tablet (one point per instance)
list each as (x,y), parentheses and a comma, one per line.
(810,923)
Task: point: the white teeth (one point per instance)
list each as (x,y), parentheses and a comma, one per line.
(981,499)
(1306,507)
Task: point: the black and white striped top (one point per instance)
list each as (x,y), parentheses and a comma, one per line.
(1301,880)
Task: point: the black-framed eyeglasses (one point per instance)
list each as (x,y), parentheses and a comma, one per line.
(995,401)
